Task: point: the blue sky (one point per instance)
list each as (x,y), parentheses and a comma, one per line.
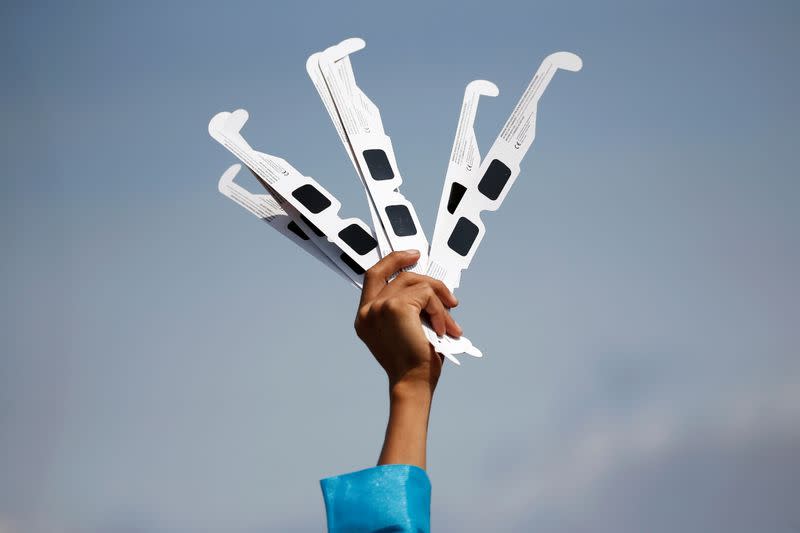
(169,364)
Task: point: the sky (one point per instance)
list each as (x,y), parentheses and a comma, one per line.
(170,364)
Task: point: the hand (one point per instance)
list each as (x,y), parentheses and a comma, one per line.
(389,320)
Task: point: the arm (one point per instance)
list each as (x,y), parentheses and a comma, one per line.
(407,430)
(389,322)
(395,495)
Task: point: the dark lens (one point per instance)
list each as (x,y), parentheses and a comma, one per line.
(463,236)
(358,239)
(456,194)
(494,180)
(311,198)
(312,226)
(352,264)
(378,163)
(294,228)
(402,223)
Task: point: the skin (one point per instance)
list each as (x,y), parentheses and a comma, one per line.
(389,321)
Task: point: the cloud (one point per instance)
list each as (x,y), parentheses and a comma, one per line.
(730,466)
(7,527)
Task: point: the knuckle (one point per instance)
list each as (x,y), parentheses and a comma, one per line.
(358,323)
(377,310)
(372,312)
(389,258)
(393,307)
(374,272)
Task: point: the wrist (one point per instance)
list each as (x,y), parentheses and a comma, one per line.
(411,392)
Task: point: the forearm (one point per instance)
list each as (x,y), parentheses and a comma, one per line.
(407,430)
(396,494)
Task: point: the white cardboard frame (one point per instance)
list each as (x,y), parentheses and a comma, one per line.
(509,149)
(266,207)
(361,122)
(463,166)
(284,179)
(314,72)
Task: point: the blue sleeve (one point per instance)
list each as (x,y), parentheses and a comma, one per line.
(388,498)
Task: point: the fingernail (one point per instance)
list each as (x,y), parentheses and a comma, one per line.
(412,252)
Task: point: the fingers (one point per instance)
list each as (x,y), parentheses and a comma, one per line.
(433,307)
(452,327)
(441,321)
(375,278)
(407,279)
(427,294)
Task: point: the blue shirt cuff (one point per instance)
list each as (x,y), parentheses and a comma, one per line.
(393,498)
